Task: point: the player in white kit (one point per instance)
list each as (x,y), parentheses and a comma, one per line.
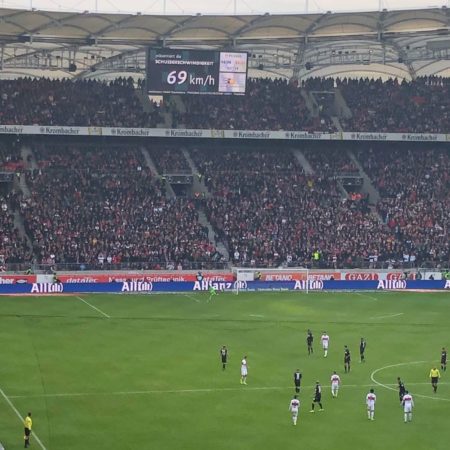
(335,383)
(325,340)
(244,370)
(408,405)
(371,398)
(293,408)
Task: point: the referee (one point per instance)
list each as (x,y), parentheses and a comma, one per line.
(27,423)
(434,375)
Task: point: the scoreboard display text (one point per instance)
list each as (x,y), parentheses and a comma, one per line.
(196,72)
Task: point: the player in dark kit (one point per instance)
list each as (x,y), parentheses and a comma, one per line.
(362,349)
(309,342)
(347,359)
(224,356)
(317,397)
(401,389)
(297,380)
(444,359)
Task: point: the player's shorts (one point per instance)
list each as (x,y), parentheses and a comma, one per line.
(224,359)
(407,408)
(371,407)
(443,361)
(317,398)
(295,413)
(334,385)
(27,432)
(325,346)
(243,372)
(347,360)
(434,380)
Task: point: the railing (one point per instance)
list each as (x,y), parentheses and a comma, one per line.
(24,267)
(69,267)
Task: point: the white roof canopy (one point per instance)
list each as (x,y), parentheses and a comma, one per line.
(403,42)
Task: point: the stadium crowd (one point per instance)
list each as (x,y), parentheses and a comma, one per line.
(415,205)
(169,160)
(43,101)
(13,247)
(419,106)
(268,105)
(330,162)
(271,213)
(101,207)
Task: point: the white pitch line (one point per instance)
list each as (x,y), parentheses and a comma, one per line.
(192,298)
(388,316)
(256,315)
(94,307)
(10,403)
(387,386)
(193,391)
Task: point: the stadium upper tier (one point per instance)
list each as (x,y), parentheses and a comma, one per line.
(421,106)
(403,43)
(102,206)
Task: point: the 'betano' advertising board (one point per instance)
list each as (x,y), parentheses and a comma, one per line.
(142,286)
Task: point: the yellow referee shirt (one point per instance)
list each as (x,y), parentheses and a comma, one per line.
(434,373)
(28,423)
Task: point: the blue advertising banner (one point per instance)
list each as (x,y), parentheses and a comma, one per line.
(147,287)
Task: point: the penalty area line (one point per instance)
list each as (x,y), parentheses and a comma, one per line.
(10,403)
(93,307)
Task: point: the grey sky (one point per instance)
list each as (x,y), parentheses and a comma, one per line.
(220,6)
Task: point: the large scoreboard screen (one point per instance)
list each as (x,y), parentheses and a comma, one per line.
(196,72)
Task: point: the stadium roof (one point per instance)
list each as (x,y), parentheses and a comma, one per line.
(394,43)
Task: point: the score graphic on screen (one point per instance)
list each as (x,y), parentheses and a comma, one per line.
(196,72)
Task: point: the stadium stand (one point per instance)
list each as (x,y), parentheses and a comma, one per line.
(13,247)
(419,106)
(422,105)
(271,213)
(414,186)
(100,207)
(169,159)
(268,105)
(28,101)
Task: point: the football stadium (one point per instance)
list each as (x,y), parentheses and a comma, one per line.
(224,231)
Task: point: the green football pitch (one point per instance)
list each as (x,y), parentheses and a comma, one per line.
(104,372)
